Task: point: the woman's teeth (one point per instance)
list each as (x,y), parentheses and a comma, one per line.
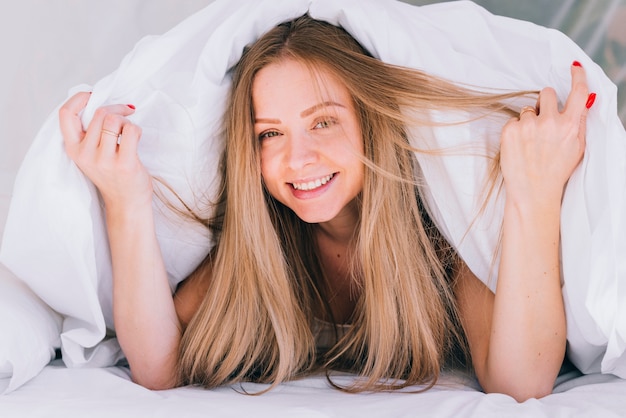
(314,184)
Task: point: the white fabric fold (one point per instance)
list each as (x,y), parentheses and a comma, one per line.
(29,332)
(55,238)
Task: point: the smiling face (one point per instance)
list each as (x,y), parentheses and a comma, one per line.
(311,141)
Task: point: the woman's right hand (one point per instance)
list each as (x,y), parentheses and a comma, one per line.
(146,323)
(108,160)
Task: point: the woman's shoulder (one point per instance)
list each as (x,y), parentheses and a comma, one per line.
(190,293)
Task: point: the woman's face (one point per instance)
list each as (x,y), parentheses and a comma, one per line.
(310,140)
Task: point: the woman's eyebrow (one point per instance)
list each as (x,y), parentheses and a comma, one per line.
(319,106)
(269,121)
(303,114)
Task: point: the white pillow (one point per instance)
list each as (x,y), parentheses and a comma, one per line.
(29,329)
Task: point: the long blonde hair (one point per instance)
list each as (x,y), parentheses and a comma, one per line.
(265,277)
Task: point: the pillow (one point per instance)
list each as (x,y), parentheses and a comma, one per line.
(30,332)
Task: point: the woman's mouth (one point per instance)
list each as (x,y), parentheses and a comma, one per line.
(313,184)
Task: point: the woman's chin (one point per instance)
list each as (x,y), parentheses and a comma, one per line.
(314,217)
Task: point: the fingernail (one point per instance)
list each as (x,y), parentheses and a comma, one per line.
(131,106)
(577,64)
(590,100)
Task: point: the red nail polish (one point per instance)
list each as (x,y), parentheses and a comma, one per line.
(131,106)
(577,64)
(590,100)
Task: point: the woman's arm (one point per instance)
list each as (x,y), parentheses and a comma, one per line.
(517,337)
(146,322)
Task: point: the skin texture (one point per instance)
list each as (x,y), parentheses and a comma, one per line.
(307,137)
(518,332)
(143,307)
(521,330)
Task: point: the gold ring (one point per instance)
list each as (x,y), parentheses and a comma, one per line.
(527,109)
(115,134)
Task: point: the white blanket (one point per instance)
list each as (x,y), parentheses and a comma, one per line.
(55,237)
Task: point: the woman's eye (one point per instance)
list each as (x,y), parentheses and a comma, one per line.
(267,134)
(326,123)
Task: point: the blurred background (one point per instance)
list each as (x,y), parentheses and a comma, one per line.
(597,26)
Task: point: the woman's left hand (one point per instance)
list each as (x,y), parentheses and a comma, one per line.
(517,336)
(540,150)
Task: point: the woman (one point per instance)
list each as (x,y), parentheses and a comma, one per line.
(321,223)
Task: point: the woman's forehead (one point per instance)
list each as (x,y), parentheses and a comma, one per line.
(291,77)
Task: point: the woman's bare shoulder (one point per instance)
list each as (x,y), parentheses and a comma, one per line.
(190,293)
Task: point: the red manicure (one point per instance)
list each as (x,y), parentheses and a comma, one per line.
(131,106)
(577,64)
(590,100)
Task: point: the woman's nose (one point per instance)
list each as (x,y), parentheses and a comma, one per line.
(302,150)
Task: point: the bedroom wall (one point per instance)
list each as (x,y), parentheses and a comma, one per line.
(49,46)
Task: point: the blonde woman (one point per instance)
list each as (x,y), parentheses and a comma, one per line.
(325,257)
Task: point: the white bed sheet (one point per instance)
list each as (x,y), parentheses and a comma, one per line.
(108,392)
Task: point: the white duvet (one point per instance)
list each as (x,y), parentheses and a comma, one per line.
(55,238)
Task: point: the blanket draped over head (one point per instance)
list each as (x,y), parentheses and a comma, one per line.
(56,241)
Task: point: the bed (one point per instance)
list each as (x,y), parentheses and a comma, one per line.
(51,49)
(62,392)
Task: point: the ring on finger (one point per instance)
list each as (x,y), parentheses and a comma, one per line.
(527,109)
(115,134)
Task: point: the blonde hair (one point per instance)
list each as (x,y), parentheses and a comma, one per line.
(266,281)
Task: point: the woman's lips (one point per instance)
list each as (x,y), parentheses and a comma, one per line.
(312,188)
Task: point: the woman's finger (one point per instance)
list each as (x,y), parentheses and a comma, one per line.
(111,133)
(69,120)
(128,142)
(577,99)
(547,103)
(109,119)
(527,112)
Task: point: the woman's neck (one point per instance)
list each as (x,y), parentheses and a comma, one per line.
(342,228)
(335,244)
